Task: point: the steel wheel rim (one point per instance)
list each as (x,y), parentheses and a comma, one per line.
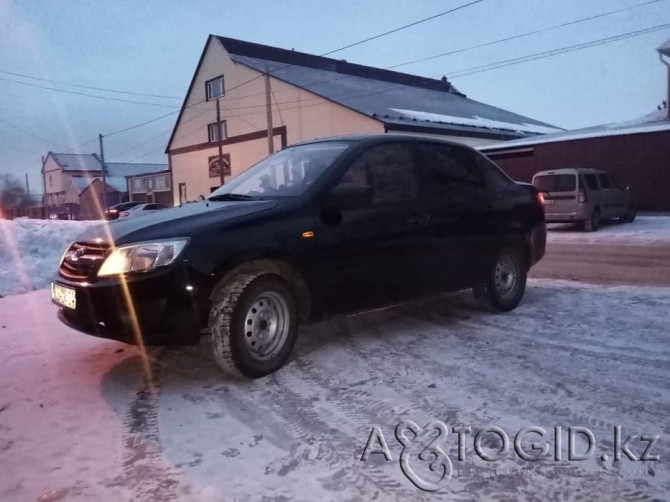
(266,325)
(506,277)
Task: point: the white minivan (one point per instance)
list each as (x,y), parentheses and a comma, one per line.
(583,195)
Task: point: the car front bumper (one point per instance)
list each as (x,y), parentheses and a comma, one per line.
(163,308)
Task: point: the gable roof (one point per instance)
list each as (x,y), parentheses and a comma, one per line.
(77,161)
(90,162)
(399,100)
(652,122)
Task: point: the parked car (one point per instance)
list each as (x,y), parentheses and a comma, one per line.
(113,212)
(318,229)
(586,196)
(141,209)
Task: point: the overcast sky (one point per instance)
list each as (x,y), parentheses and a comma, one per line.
(152,47)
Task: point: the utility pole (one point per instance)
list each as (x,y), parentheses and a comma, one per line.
(220,139)
(27,185)
(268,112)
(104,176)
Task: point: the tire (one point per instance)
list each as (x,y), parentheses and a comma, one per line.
(506,282)
(593,223)
(253,324)
(629,216)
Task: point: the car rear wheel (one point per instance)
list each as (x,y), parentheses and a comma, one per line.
(630,214)
(593,223)
(253,325)
(506,282)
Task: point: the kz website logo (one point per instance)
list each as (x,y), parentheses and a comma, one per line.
(423,448)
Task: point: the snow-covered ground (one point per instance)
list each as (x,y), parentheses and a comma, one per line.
(30,251)
(644,231)
(79,420)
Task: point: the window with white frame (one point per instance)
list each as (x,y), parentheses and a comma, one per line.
(214,88)
(162,183)
(139,185)
(216,133)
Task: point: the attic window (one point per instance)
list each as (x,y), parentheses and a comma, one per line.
(214,88)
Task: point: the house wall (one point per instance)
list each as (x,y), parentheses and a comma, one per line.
(641,161)
(304,115)
(59,179)
(90,201)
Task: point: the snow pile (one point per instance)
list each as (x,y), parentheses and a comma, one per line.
(645,230)
(31,249)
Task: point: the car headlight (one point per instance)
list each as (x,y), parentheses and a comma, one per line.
(142,257)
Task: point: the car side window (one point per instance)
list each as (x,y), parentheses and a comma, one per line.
(591,181)
(387,171)
(604,181)
(451,171)
(495,178)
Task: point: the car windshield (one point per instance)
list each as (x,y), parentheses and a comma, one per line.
(556,183)
(288,173)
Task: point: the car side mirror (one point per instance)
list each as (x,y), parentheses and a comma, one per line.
(348,196)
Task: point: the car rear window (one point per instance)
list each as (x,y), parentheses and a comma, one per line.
(556,183)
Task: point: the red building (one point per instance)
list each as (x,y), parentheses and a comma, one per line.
(636,153)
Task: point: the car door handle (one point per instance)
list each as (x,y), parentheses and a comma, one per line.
(418,219)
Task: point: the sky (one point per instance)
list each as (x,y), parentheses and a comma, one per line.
(152,47)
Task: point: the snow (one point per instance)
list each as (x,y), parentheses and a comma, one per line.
(653,122)
(476,121)
(645,230)
(31,249)
(81,420)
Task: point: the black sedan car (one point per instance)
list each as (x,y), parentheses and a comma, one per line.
(320,228)
(113,212)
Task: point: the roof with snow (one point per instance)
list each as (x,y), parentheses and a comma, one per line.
(652,122)
(77,161)
(127,169)
(81,183)
(118,183)
(91,162)
(400,100)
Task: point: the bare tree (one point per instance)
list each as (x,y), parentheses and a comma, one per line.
(12,193)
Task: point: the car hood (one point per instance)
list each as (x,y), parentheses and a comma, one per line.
(181,221)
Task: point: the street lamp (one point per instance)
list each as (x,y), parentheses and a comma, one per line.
(664,55)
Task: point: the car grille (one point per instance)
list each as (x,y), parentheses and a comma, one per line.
(82,260)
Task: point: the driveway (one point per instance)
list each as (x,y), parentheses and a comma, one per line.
(82,418)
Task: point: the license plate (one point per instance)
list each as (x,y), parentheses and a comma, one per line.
(549,202)
(66,297)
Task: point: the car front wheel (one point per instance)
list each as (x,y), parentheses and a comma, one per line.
(253,324)
(506,282)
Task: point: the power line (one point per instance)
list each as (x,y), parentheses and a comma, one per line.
(550,28)
(562,50)
(404,27)
(88,86)
(526,34)
(88,95)
(361,42)
(30,133)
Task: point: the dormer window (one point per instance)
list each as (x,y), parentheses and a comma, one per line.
(214,88)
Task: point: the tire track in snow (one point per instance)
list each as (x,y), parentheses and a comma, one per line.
(144,470)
